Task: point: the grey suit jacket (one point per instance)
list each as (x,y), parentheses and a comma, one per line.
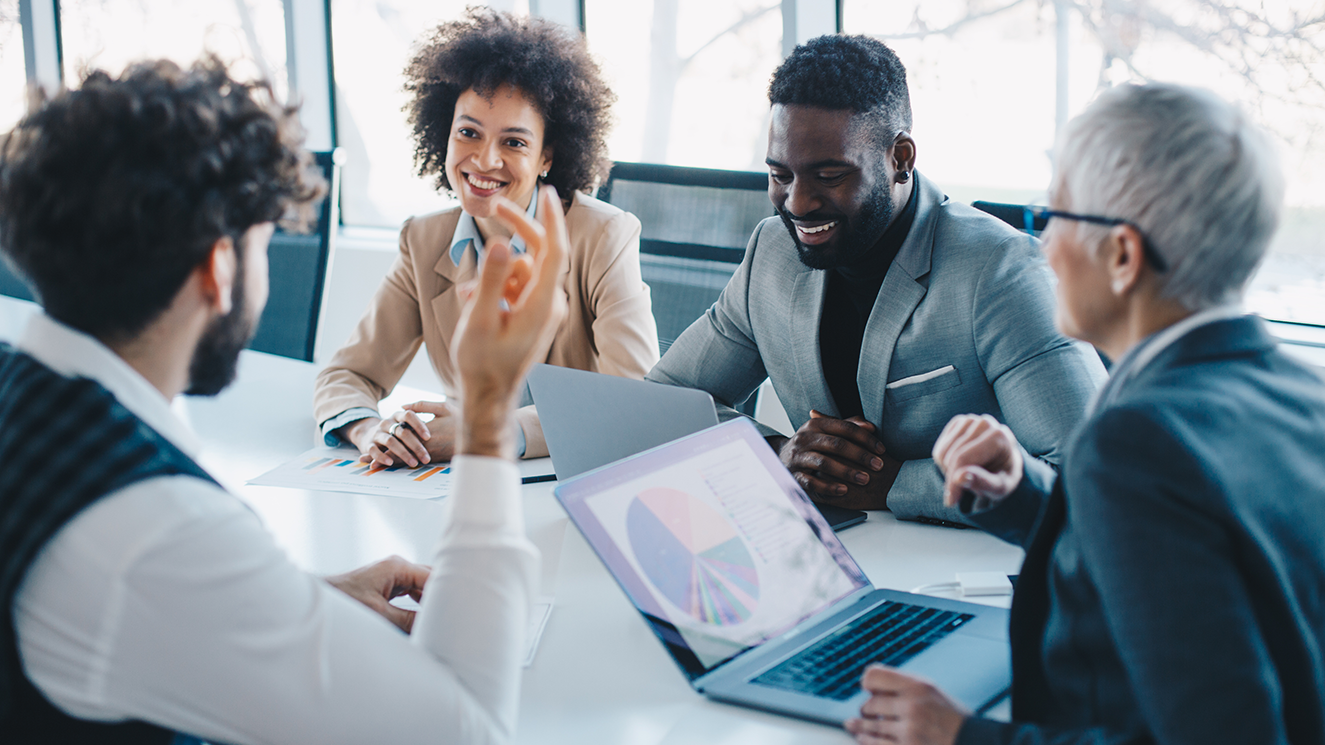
(962,324)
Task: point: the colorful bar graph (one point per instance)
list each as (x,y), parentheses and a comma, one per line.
(432,471)
(324,469)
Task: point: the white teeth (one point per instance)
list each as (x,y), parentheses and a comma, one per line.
(482,183)
(819,229)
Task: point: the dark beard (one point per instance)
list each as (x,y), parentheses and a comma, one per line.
(216,358)
(860,236)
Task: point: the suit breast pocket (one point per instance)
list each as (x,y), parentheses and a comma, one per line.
(924,384)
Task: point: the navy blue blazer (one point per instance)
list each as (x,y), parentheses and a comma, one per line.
(1174,583)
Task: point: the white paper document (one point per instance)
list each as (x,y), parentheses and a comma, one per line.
(339,469)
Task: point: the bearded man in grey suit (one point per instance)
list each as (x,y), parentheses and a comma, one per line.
(878,307)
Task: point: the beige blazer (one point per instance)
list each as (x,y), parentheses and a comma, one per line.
(609,327)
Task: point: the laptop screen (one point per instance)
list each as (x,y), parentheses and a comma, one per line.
(713,541)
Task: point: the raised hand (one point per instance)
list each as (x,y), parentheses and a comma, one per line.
(508,320)
(980,455)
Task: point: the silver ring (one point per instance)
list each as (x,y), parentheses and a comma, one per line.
(394,428)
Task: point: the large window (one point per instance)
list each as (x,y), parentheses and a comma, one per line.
(109,34)
(991,79)
(13,77)
(691,77)
(372,42)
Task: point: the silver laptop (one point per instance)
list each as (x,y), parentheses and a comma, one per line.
(753,595)
(590,419)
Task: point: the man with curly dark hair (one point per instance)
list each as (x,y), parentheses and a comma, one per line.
(879,308)
(141,598)
(501,105)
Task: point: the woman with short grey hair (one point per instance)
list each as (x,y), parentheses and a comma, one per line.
(1172,586)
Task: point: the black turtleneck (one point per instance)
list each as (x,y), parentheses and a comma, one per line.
(847,306)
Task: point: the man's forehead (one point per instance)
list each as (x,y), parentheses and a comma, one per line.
(809,134)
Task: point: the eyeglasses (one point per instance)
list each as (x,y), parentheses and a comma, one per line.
(1036,218)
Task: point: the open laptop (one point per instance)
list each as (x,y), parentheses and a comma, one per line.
(590,419)
(755,598)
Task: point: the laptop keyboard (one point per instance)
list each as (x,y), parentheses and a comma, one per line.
(890,634)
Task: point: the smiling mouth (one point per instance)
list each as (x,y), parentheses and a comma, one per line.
(817,228)
(483,184)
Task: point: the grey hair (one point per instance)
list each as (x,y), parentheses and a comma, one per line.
(1190,170)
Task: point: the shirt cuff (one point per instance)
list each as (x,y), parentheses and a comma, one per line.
(329,427)
(486,492)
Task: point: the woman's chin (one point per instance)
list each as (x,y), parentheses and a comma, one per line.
(478,206)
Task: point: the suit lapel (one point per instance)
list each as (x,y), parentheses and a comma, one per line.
(807,309)
(446,306)
(898,297)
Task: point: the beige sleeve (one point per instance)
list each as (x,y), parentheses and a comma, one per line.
(624,331)
(382,346)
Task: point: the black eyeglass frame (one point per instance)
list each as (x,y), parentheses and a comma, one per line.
(1033,216)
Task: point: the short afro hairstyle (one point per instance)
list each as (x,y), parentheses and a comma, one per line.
(839,72)
(113,193)
(548,63)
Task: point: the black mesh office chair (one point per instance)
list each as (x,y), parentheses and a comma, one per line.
(695,223)
(1012,214)
(298,266)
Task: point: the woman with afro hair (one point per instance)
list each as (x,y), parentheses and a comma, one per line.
(502,106)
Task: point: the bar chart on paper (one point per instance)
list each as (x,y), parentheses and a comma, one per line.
(339,469)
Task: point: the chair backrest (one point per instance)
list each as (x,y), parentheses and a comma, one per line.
(695,223)
(1012,214)
(298,266)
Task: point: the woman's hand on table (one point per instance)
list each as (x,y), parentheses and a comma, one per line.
(390,441)
(980,455)
(404,438)
(905,709)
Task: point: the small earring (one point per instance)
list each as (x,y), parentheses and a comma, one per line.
(1118,287)
(543,175)
(903,177)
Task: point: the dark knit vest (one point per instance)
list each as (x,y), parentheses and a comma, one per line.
(64,444)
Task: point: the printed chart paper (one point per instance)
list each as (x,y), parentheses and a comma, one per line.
(339,469)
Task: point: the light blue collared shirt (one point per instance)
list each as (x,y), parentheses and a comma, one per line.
(466,232)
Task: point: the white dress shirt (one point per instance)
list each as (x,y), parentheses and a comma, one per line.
(168,601)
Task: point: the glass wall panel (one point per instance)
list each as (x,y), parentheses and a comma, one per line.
(691,77)
(109,34)
(372,42)
(13,74)
(985,82)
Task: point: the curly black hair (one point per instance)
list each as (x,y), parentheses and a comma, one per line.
(112,194)
(548,63)
(857,73)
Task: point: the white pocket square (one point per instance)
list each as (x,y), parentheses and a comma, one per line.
(922,377)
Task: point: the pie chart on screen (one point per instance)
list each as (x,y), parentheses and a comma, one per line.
(693,556)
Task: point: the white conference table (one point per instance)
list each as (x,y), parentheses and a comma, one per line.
(599,676)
